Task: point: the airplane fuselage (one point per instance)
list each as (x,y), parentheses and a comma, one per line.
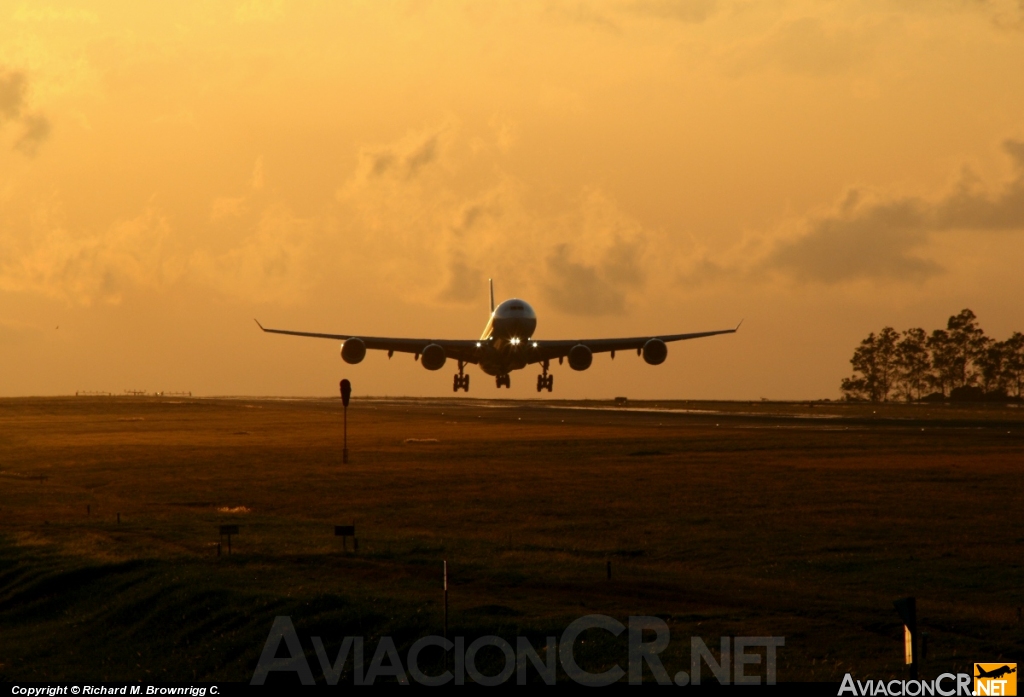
(506,340)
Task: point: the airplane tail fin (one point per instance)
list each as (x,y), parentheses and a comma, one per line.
(491,281)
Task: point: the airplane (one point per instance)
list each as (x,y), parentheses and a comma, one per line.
(507,344)
(995,673)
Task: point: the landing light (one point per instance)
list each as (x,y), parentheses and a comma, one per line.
(478,344)
(535,344)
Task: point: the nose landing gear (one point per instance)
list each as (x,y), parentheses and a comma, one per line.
(545,381)
(461,381)
(503,380)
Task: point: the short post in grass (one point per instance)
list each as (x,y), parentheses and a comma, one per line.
(446,611)
(228,530)
(907,608)
(344,532)
(346,393)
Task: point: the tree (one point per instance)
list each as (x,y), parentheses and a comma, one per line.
(953,361)
(875,361)
(1013,364)
(990,366)
(967,343)
(912,363)
(943,373)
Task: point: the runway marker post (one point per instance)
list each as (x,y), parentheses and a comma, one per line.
(344,531)
(346,393)
(228,530)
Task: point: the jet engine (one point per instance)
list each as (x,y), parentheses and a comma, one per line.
(580,357)
(433,357)
(353,350)
(655,351)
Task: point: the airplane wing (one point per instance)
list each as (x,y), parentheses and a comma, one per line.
(464,350)
(548,350)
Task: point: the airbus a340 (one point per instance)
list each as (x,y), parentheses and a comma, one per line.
(507,344)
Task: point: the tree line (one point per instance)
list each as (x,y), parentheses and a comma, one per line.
(959,363)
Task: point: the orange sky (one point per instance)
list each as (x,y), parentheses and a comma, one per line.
(170,171)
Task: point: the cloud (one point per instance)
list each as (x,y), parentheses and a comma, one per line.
(13,87)
(404,159)
(465,283)
(35,126)
(421,156)
(887,238)
(607,16)
(678,10)
(36,130)
(808,46)
(593,289)
(277,256)
(91,268)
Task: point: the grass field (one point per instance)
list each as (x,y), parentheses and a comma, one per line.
(725,519)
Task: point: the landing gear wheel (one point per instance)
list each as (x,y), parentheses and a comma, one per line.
(545,382)
(503,380)
(461,382)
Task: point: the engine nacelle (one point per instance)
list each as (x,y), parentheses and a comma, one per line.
(353,350)
(433,357)
(580,357)
(655,351)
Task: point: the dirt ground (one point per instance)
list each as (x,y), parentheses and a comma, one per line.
(796,520)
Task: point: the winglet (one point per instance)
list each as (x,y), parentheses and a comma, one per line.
(738,325)
(491,282)
(258,323)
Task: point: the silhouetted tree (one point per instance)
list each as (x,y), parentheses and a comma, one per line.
(874,366)
(943,374)
(967,344)
(1013,364)
(990,364)
(913,364)
(953,361)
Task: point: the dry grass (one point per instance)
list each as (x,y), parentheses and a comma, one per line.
(727,519)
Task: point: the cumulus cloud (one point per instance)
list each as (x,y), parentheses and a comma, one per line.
(465,283)
(13,87)
(809,46)
(465,280)
(679,10)
(888,238)
(91,268)
(404,159)
(274,258)
(35,128)
(596,288)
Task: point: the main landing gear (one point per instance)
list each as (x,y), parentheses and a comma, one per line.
(461,381)
(503,380)
(545,381)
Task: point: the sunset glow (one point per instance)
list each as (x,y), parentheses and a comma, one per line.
(168,172)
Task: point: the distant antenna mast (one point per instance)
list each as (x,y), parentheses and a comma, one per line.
(491,281)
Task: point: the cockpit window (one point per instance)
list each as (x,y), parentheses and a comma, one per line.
(515,307)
